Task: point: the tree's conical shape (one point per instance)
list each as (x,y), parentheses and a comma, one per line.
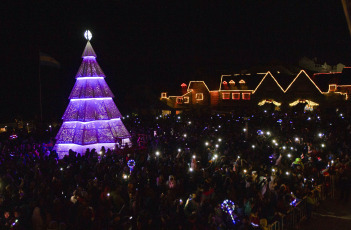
(88,51)
(92,119)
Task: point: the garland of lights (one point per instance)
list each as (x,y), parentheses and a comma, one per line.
(269,101)
(228,206)
(310,103)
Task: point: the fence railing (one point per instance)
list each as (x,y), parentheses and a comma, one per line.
(302,209)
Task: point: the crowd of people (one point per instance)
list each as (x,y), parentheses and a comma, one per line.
(186,165)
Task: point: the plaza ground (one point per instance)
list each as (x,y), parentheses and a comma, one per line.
(331,214)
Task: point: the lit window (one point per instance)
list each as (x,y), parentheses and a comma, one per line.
(242,81)
(246,96)
(163,95)
(199,96)
(225,96)
(179,100)
(332,88)
(232,82)
(186,100)
(224,83)
(236,96)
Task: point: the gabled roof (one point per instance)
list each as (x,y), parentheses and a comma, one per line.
(302,76)
(284,79)
(269,77)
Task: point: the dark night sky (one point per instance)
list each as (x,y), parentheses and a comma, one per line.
(150,46)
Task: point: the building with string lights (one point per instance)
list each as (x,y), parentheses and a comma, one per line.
(92,119)
(276,90)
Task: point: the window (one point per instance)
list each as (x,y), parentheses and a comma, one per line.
(186,100)
(236,96)
(246,96)
(332,88)
(199,96)
(179,100)
(242,81)
(163,95)
(225,96)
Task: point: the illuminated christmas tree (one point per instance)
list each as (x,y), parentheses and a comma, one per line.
(92,119)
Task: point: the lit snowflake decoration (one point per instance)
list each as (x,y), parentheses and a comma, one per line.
(228,206)
(131,164)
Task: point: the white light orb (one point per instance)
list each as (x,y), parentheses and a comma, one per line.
(88,35)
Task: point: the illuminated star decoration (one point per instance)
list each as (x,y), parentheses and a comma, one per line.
(131,164)
(228,206)
(88,35)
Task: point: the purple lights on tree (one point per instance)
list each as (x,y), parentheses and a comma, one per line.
(92,119)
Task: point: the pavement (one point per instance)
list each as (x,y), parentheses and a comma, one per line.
(331,214)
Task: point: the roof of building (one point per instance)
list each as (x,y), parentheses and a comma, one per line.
(241,81)
(323,80)
(345,76)
(198,85)
(284,79)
